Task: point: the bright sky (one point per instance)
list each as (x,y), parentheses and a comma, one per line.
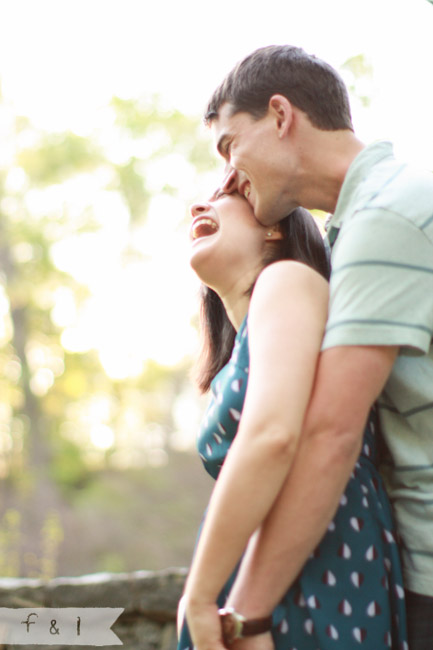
(62,60)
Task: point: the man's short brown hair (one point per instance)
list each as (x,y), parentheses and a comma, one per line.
(309,83)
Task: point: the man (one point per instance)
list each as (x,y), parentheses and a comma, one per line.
(282,122)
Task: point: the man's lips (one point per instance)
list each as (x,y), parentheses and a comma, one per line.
(244,189)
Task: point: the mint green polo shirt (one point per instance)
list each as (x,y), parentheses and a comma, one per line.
(381,293)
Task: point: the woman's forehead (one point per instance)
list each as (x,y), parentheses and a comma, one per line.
(219,194)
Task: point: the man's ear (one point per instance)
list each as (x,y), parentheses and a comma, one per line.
(280,108)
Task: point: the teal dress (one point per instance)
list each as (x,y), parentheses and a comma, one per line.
(349,595)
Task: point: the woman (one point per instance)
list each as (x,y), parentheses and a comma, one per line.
(264,313)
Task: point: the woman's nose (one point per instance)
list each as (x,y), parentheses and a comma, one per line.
(198,208)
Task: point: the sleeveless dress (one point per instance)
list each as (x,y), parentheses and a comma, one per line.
(349,595)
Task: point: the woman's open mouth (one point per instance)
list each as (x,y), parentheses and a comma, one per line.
(203,227)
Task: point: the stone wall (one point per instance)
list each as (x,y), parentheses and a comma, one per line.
(148,598)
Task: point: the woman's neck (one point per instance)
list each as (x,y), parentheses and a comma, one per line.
(236,297)
(236,294)
(237,311)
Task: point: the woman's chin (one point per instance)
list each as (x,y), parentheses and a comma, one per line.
(206,271)
(200,250)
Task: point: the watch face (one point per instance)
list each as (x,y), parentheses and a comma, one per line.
(230,628)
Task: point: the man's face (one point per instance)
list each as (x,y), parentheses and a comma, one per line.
(255,150)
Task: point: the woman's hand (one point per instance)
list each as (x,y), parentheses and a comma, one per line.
(205,627)
(258,642)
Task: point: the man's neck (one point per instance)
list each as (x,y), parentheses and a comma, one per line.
(325,157)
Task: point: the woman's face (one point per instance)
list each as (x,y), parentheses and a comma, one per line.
(227,241)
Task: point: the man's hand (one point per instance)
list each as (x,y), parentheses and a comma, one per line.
(205,627)
(258,642)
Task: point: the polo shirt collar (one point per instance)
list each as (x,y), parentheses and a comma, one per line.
(358,170)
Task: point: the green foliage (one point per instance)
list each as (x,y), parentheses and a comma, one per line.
(112,562)
(62,416)
(162,132)
(51,538)
(57,157)
(38,563)
(68,470)
(361,75)
(10,531)
(130,184)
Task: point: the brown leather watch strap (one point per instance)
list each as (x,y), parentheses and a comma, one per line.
(235,626)
(256,626)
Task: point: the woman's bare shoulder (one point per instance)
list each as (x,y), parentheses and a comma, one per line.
(291,274)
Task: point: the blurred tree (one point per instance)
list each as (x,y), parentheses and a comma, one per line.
(358,72)
(61,412)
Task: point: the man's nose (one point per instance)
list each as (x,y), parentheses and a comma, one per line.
(198,208)
(230,182)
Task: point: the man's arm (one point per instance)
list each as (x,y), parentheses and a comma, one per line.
(348,381)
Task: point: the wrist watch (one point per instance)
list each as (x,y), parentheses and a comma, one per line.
(235,626)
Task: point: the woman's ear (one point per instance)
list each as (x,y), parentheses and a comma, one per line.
(273,234)
(280,108)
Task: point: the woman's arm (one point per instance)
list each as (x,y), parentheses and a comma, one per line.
(348,380)
(286,322)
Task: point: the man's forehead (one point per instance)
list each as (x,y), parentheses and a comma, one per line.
(229,120)
(225,112)
(224,125)
(223,120)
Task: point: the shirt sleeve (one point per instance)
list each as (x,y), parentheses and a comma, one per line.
(381,290)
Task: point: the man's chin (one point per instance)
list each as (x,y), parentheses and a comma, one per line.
(266,217)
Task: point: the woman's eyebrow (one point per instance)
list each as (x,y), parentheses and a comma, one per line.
(218,192)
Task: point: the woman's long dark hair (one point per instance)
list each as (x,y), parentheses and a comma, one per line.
(302,242)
